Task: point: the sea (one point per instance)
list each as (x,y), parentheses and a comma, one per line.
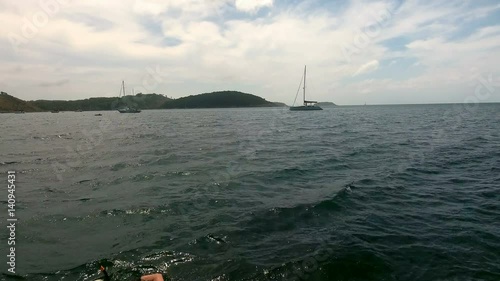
(394,192)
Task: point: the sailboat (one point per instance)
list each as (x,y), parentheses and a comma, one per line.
(308,105)
(126,109)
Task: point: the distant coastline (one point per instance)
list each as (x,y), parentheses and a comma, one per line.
(326,103)
(221,99)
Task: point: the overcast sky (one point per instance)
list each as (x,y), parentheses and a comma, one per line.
(378,52)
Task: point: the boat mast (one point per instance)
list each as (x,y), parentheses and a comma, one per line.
(305,70)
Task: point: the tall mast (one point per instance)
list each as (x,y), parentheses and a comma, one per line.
(305,70)
(123,87)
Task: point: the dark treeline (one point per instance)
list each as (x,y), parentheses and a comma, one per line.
(141,101)
(9,103)
(147,101)
(219,100)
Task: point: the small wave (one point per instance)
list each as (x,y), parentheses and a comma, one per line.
(13,277)
(119,166)
(478,139)
(9,163)
(216,239)
(53,190)
(461,180)
(174,258)
(288,218)
(82,181)
(64,136)
(423,171)
(119,267)
(56,136)
(143,177)
(367,181)
(330,262)
(137,211)
(84,199)
(143,211)
(181,173)
(288,172)
(166,160)
(336,202)
(148,136)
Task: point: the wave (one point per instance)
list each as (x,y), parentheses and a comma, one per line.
(9,163)
(289,218)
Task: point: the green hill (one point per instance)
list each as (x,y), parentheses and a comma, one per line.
(142,101)
(85,105)
(221,99)
(145,101)
(326,103)
(280,104)
(9,103)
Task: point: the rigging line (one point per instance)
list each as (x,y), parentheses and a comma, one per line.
(298,90)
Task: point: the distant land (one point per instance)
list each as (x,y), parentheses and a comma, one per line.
(220,99)
(9,103)
(326,103)
(143,101)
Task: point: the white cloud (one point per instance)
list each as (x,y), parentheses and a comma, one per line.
(252,5)
(263,55)
(368,67)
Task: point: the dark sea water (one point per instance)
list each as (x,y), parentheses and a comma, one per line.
(347,193)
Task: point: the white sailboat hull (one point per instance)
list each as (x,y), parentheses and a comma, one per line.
(305,108)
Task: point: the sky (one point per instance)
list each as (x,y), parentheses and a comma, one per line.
(356,52)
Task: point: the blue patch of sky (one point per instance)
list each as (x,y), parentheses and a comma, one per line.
(397,43)
(230,12)
(151,25)
(161,42)
(331,6)
(170,42)
(469,28)
(299,7)
(292,5)
(279,6)
(398,69)
(154,27)
(335,7)
(398,4)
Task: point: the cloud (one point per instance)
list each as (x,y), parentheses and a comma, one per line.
(252,5)
(54,84)
(368,67)
(185,47)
